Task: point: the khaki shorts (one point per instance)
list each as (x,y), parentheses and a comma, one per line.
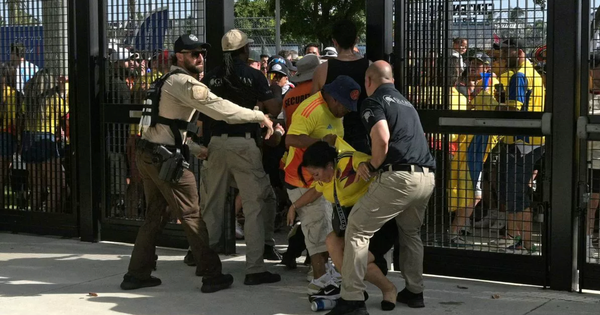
(316,221)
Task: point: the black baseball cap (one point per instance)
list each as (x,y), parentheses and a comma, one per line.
(513,43)
(482,57)
(279,68)
(345,90)
(189,42)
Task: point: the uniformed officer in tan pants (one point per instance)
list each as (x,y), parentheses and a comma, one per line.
(181,96)
(404,180)
(233,155)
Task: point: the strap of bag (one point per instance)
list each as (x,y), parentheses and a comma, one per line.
(338,206)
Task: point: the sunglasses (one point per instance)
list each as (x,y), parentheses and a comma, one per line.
(196,53)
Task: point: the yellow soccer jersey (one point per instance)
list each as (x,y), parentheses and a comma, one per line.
(527,93)
(56,109)
(8,111)
(349,186)
(311,118)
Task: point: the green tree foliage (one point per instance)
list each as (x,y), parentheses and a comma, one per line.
(253,8)
(311,20)
(255,18)
(18,15)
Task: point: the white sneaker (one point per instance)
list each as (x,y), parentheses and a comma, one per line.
(336,277)
(239,231)
(459,241)
(492,215)
(309,274)
(318,284)
(500,223)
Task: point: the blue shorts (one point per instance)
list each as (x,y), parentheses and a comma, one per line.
(516,171)
(8,144)
(38,147)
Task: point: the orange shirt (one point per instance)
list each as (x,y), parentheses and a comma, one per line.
(294,98)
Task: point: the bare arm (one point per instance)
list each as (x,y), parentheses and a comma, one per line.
(380,137)
(319,78)
(272,106)
(299,141)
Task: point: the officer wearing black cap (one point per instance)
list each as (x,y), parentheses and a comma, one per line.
(233,154)
(167,182)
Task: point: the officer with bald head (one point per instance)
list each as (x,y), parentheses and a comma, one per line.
(404,172)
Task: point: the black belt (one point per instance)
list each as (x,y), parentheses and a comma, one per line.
(403,168)
(235,134)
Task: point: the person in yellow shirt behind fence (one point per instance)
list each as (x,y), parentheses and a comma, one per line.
(43,111)
(466,167)
(8,119)
(525,93)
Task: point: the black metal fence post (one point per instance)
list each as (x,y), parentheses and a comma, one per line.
(379,29)
(86,116)
(220,19)
(563,84)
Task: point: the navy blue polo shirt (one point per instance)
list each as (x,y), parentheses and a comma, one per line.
(408,144)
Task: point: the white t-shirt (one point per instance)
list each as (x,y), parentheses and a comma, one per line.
(25,71)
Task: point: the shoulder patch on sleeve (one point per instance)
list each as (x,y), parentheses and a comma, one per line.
(199,92)
(367,114)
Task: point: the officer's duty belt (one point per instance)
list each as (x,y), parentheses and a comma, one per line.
(150,147)
(235,134)
(403,168)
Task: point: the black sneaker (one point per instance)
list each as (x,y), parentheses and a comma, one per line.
(344,307)
(155,260)
(189,259)
(131,283)
(329,292)
(271,253)
(289,261)
(261,277)
(218,283)
(413,300)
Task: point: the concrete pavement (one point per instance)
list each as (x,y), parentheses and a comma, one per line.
(48,275)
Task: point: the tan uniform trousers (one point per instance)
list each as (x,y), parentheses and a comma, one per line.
(181,198)
(240,160)
(400,195)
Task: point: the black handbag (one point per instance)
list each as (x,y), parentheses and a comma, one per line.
(340,214)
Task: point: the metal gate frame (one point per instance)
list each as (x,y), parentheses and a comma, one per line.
(560,193)
(587,129)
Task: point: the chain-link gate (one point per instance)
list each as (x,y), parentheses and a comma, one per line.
(475,70)
(35,151)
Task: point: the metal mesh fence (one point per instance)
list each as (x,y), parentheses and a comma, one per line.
(593,147)
(262,31)
(479,55)
(139,42)
(34,107)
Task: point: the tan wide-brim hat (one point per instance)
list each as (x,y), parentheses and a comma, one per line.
(306,68)
(234,40)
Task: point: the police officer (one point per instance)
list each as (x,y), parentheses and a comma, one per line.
(233,154)
(403,168)
(181,96)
